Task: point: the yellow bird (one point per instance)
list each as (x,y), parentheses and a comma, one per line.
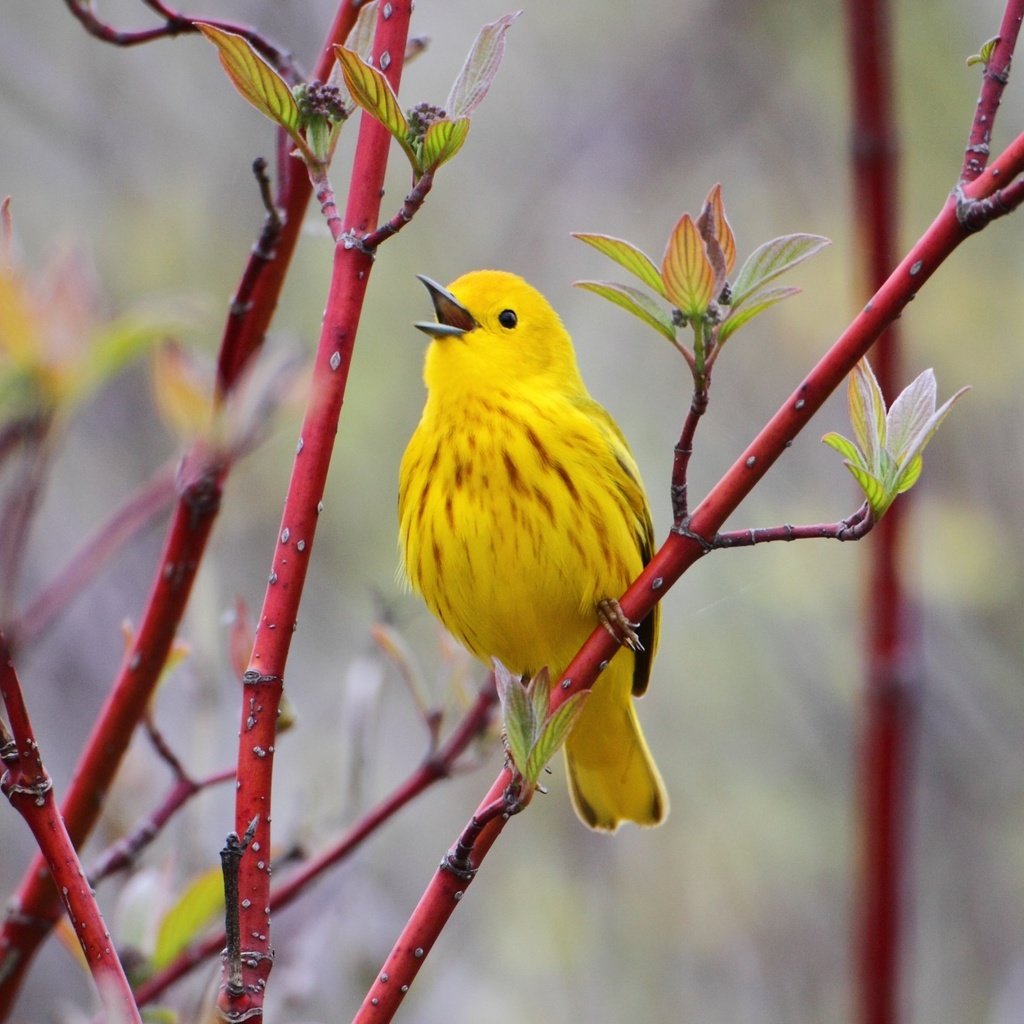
(523,518)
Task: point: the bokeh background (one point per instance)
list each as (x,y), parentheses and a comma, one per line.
(605,117)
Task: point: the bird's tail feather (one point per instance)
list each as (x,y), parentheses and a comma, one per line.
(612,775)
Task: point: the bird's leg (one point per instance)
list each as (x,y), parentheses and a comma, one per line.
(621,630)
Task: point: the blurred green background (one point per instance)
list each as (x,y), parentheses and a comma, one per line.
(607,117)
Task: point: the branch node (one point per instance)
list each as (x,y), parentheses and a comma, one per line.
(350,240)
(683,530)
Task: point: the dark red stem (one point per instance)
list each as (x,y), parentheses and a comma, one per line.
(891,692)
(123,854)
(176,24)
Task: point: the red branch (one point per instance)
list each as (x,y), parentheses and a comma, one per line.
(200,485)
(891,694)
(682,548)
(27,785)
(264,678)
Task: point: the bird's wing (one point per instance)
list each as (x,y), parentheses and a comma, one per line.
(628,481)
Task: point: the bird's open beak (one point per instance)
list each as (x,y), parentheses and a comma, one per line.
(453,319)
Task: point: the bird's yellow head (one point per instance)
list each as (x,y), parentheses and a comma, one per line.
(495,330)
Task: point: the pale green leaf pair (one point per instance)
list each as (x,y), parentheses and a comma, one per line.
(886,456)
(531,734)
(267,91)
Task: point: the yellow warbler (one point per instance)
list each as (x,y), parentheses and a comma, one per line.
(523,517)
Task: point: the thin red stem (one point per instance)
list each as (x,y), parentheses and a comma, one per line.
(854,527)
(994,79)
(264,678)
(123,854)
(684,450)
(177,24)
(436,906)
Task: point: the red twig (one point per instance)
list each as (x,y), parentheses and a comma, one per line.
(684,547)
(853,527)
(439,765)
(994,79)
(123,854)
(683,450)
(263,680)
(177,24)
(27,786)
(413,201)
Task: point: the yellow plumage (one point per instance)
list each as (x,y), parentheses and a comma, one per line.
(520,509)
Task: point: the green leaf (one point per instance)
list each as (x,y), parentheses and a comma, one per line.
(757,304)
(442,141)
(878,498)
(845,447)
(254,78)
(985,55)
(373,92)
(686,270)
(770,260)
(628,256)
(634,301)
(200,905)
(909,476)
(481,66)
(538,690)
(517,714)
(552,736)
(867,413)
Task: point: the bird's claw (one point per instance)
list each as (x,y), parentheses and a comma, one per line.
(621,630)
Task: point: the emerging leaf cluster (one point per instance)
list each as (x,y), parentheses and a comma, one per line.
(312,114)
(886,457)
(533,736)
(693,279)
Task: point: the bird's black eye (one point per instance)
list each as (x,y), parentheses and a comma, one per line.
(507,318)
